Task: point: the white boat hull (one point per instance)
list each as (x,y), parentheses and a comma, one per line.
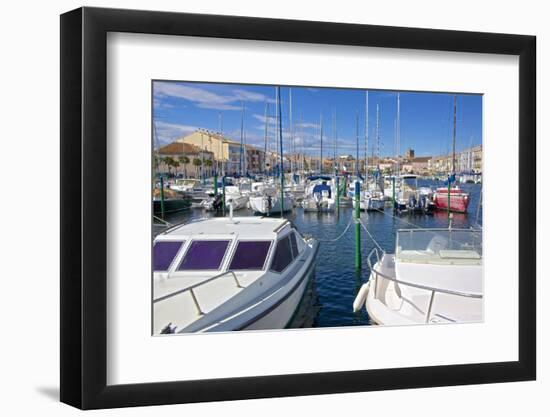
(281,316)
(269,205)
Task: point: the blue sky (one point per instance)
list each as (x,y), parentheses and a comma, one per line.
(180,108)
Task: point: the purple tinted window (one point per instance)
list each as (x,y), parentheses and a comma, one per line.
(250,255)
(204,254)
(164,253)
(294,244)
(283,255)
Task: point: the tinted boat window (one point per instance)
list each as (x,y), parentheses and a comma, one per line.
(283,255)
(164,253)
(204,254)
(250,255)
(294,244)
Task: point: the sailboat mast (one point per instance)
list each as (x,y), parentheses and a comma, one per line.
(302,141)
(266,117)
(242,139)
(366,137)
(357,143)
(377,137)
(291,130)
(321,133)
(398,131)
(334,142)
(454,136)
(281,146)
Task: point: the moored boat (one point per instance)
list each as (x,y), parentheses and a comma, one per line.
(224,274)
(435,276)
(458,199)
(173,202)
(270,202)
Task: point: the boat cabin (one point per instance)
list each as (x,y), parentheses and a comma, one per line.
(206,271)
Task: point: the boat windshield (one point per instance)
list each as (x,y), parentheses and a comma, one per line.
(187,182)
(164,253)
(442,246)
(204,254)
(250,255)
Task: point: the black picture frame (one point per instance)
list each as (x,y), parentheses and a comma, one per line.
(84,207)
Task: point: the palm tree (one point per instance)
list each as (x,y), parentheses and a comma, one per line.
(169,162)
(184,161)
(208,163)
(197,162)
(176,164)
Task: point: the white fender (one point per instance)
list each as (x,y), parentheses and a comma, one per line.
(361,297)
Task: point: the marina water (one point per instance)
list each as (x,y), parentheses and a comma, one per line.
(330,299)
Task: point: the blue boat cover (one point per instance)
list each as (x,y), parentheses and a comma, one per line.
(319,177)
(319,188)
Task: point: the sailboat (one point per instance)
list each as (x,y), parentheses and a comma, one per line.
(274,200)
(371,199)
(452,198)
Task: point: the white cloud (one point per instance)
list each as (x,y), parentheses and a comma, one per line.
(207,99)
(168,132)
(246,95)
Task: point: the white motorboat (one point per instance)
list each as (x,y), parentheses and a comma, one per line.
(269,202)
(194,189)
(233,198)
(435,276)
(229,273)
(371,200)
(320,194)
(187,185)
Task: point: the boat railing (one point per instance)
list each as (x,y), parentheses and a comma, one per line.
(191,289)
(433,290)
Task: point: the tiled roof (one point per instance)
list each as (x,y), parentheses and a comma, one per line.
(177,148)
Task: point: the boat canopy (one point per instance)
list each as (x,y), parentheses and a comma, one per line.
(439,246)
(319,177)
(319,188)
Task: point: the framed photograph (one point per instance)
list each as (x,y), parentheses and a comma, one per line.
(256,208)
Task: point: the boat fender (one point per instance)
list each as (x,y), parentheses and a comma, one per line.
(361,297)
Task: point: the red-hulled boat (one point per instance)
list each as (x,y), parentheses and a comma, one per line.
(459,199)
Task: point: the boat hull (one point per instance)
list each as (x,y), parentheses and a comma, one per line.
(266,205)
(281,315)
(171,206)
(459,201)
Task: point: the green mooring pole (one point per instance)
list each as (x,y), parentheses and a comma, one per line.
(449,196)
(393,191)
(223,195)
(162,197)
(357,226)
(337,193)
(215,183)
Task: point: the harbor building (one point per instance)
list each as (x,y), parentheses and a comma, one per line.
(229,155)
(184,158)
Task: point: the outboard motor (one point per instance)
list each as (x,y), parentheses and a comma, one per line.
(217,204)
(412,202)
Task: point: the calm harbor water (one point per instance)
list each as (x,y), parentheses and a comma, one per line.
(336,281)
